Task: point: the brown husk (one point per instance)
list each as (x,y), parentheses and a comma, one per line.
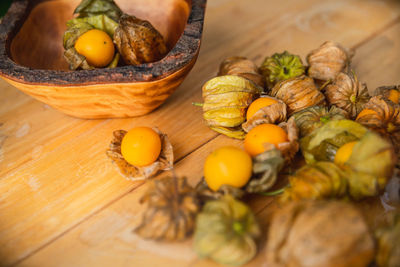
(275,113)
(243,67)
(290,148)
(319,233)
(138,41)
(347,93)
(164,162)
(385,120)
(314,117)
(328,60)
(298,93)
(384,91)
(171,210)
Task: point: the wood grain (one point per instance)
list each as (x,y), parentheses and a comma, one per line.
(68,206)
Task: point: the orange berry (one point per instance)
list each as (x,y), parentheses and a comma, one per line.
(394,96)
(344,152)
(365,112)
(262,134)
(141,146)
(258,104)
(227,166)
(96,46)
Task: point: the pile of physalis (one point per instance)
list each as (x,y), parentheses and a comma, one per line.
(102,33)
(347,138)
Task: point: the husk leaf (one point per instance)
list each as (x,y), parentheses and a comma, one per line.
(89,8)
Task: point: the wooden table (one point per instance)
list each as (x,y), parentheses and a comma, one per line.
(63,203)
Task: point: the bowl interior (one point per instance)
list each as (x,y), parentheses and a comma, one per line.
(38,44)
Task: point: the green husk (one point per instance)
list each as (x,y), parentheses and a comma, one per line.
(79,26)
(322,144)
(226,99)
(225,232)
(315,117)
(89,8)
(100,22)
(266,167)
(280,67)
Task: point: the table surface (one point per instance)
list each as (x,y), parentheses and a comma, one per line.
(62,201)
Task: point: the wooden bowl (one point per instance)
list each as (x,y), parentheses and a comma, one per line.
(31,58)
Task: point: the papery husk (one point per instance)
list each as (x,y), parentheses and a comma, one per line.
(138,41)
(280,67)
(316,181)
(388,245)
(385,120)
(384,91)
(290,148)
(347,93)
(298,93)
(226,99)
(364,174)
(273,114)
(373,155)
(322,143)
(226,231)
(100,22)
(328,60)
(78,26)
(89,8)
(315,117)
(243,67)
(232,132)
(205,193)
(266,167)
(164,162)
(170,214)
(319,233)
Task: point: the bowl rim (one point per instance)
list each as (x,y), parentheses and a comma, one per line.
(180,55)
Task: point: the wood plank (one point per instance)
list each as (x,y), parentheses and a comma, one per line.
(106,237)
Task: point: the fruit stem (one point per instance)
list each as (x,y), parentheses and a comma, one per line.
(274,193)
(197,104)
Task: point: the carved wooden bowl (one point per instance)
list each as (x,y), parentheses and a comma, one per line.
(31,58)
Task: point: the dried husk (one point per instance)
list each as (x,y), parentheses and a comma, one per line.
(322,144)
(347,93)
(275,113)
(385,120)
(290,148)
(319,233)
(138,41)
(226,99)
(316,181)
(315,117)
(205,193)
(298,93)
(243,67)
(266,167)
(226,231)
(280,67)
(388,254)
(171,210)
(328,60)
(164,162)
(89,8)
(385,92)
